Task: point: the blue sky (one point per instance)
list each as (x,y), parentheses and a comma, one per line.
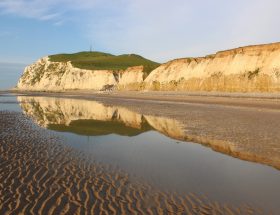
(157,29)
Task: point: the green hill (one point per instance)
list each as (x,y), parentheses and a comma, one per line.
(105,61)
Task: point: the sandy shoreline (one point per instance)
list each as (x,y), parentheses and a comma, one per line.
(245,128)
(38,175)
(242,127)
(256,100)
(255,95)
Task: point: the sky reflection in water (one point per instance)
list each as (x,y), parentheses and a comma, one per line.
(144,147)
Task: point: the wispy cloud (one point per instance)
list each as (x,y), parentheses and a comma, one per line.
(28,9)
(159,29)
(163,29)
(50,16)
(43,10)
(59,23)
(5,33)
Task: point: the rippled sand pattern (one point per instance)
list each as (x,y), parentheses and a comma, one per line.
(39,175)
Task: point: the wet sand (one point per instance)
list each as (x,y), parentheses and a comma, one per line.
(242,127)
(40,175)
(245,126)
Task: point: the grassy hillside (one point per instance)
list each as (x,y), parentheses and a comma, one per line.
(100,61)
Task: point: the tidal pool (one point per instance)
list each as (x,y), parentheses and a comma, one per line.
(151,149)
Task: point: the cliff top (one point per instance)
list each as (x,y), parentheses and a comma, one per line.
(251,49)
(105,61)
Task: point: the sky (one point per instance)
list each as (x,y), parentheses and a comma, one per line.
(160,30)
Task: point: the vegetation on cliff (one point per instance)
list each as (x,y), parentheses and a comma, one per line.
(105,61)
(245,69)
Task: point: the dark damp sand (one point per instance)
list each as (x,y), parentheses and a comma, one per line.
(39,175)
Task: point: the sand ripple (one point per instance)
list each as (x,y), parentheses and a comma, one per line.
(39,175)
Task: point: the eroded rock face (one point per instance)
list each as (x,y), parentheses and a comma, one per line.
(45,75)
(132,75)
(246,69)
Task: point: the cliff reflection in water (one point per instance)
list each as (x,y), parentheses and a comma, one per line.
(153,158)
(92,118)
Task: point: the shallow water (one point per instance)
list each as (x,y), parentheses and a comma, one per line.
(9,102)
(150,149)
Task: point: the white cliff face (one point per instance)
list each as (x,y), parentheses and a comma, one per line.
(246,69)
(132,75)
(252,68)
(45,75)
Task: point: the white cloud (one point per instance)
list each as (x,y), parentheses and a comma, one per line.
(163,29)
(160,29)
(44,10)
(59,23)
(5,33)
(29,9)
(49,16)
(257,22)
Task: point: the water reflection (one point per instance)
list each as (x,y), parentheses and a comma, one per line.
(134,143)
(93,118)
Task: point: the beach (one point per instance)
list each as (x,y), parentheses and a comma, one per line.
(241,125)
(40,175)
(139,107)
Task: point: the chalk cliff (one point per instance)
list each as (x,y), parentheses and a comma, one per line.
(245,69)
(45,75)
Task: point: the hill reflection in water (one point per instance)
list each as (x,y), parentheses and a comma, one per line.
(97,128)
(92,118)
(133,142)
